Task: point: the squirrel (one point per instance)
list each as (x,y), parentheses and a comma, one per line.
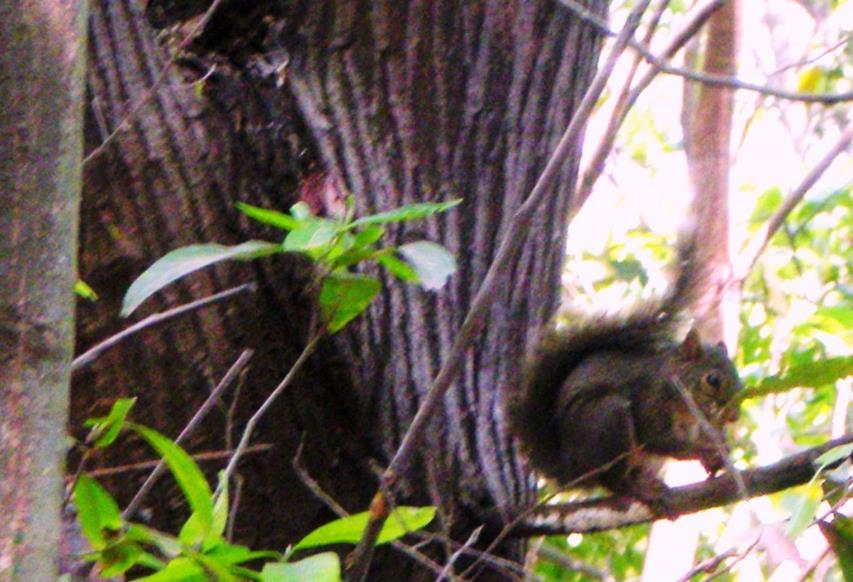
(602,402)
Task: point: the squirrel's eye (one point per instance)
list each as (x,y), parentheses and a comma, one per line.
(712,379)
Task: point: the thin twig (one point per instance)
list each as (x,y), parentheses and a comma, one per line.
(253,421)
(157,82)
(475,319)
(329,501)
(448,567)
(762,237)
(552,554)
(152,464)
(152,320)
(194,422)
(706,78)
(597,160)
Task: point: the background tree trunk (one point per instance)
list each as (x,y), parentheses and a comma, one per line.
(41,91)
(395,103)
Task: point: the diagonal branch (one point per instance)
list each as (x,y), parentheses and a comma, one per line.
(475,319)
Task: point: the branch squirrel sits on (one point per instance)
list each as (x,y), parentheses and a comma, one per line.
(601,402)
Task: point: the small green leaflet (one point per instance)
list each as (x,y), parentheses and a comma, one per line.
(105,430)
(344,296)
(405,213)
(271,217)
(348,530)
(82,289)
(184,261)
(325,567)
(96,511)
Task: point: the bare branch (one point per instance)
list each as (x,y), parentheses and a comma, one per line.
(481,303)
(253,421)
(763,236)
(595,166)
(193,424)
(708,79)
(152,464)
(614,512)
(152,320)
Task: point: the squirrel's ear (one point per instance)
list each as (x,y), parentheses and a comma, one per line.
(722,347)
(691,347)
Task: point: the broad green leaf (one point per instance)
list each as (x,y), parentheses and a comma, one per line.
(348,530)
(343,296)
(180,569)
(271,217)
(186,260)
(106,429)
(811,375)
(833,455)
(325,567)
(431,261)
(96,511)
(808,500)
(839,534)
(82,289)
(400,269)
(189,477)
(405,213)
(315,234)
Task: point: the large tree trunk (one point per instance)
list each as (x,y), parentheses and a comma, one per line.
(41,92)
(396,102)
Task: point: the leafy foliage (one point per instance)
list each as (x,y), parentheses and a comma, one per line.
(335,245)
(200,550)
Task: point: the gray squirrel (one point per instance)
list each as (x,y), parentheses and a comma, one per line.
(602,400)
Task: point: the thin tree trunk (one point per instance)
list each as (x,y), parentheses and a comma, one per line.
(41,92)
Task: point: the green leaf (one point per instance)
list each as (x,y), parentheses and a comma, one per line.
(369,235)
(839,534)
(189,477)
(96,511)
(400,269)
(106,429)
(119,558)
(348,530)
(405,213)
(82,289)
(809,375)
(168,545)
(808,500)
(431,261)
(184,261)
(301,211)
(325,567)
(316,234)
(833,455)
(231,554)
(181,569)
(343,296)
(271,217)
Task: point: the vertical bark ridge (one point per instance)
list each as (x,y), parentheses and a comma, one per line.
(421,107)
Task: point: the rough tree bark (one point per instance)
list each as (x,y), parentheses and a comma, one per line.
(41,92)
(395,102)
